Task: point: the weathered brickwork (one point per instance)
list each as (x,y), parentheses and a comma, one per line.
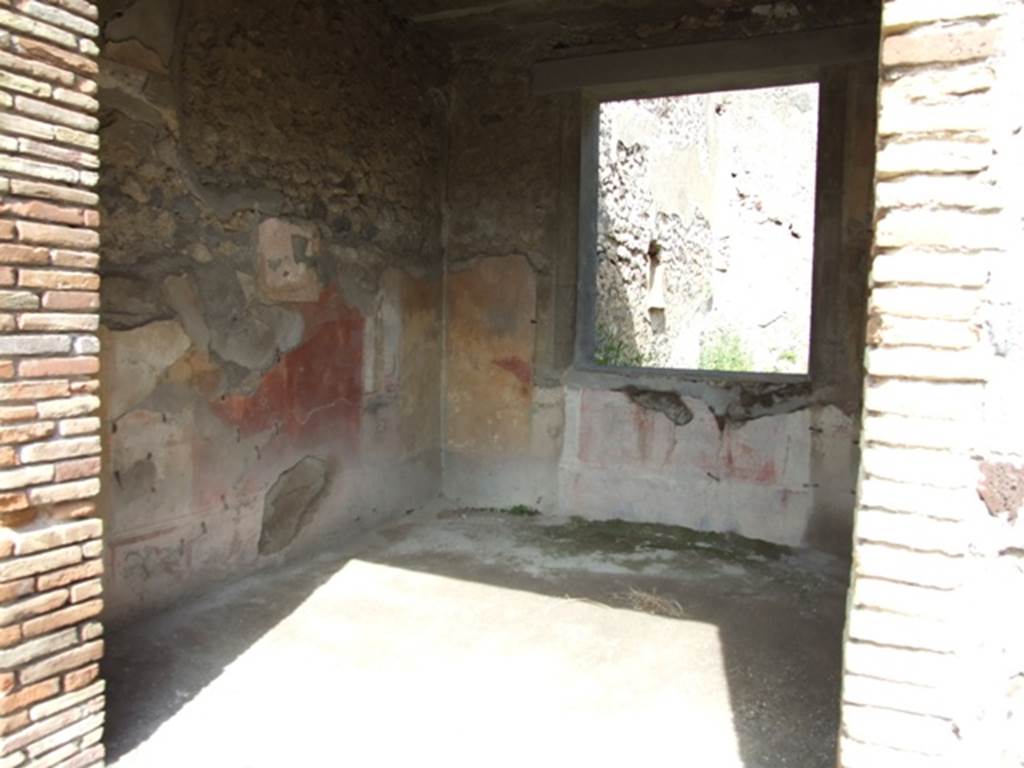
(51,696)
(934,663)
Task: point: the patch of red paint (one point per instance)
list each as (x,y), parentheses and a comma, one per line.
(747,465)
(643,425)
(738,460)
(767,474)
(518,368)
(314,394)
(785,497)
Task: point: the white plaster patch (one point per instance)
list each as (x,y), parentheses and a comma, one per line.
(152,467)
(764,479)
(136,359)
(284,273)
(181,295)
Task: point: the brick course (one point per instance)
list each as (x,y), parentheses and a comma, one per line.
(51,696)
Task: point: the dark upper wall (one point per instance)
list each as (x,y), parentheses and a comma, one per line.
(305,110)
(271,280)
(552,28)
(776,462)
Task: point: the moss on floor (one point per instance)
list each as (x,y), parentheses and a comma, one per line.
(520,510)
(622,537)
(579,536)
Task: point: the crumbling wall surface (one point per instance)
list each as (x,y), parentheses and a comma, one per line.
(776,461)
(934,658)
(271,295)
(656,201)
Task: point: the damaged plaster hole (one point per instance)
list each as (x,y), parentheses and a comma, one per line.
(290,504)
(705,231)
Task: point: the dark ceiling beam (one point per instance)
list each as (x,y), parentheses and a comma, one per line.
(464,11)
(792,56)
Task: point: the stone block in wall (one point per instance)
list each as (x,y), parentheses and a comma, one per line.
(287,254)
(926,364)
(904,697)
(904,599)
(137,361)
(917,734)
(939,229)
(912,531)
(918,466)
(896,430)
(905,158)
(960,113)
(885,628)
(939,45)
(929,268)
(923,332)
(907,566)
(927,669)
(908,13)
(933,400)
(857,754)
(940,303)
(937,86)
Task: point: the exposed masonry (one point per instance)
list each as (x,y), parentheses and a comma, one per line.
(934,660)
(271,282)
(51,697)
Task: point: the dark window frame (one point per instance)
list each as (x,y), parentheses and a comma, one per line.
(789,59)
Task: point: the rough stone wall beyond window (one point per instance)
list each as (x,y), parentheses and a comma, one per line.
(706,226)
(934,655)
(51,697)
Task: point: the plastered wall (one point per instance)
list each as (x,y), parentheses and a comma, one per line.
(770,460)
(339,280)
(271,282)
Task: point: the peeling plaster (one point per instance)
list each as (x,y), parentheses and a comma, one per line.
(246,239)
(669,404)
(289,503)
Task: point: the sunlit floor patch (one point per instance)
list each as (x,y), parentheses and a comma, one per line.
(415,650)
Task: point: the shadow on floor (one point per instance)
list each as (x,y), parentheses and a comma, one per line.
(156,665)
(779,616)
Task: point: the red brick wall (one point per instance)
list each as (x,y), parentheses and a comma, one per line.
(51,697)
(927,672)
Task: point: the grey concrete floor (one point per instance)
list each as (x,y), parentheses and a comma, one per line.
(488,638)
